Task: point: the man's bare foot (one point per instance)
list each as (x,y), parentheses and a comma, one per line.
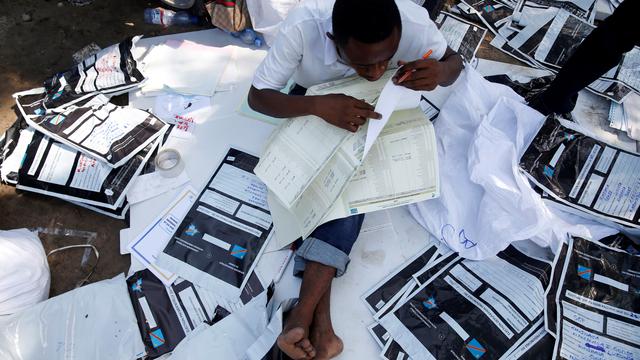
(327,344)
(295,344)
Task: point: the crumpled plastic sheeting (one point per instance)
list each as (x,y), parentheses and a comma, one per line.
(24,271)
(267,15)
(485,203)
(228,339)
(92,322)
(509,199)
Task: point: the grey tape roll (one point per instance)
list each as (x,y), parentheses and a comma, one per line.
(169,163)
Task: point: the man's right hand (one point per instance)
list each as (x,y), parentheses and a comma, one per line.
(344,111)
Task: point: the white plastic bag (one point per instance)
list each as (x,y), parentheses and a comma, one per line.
(94,322)
(228,339)
(24,271)
(485,202)
(453,217)
(267,15)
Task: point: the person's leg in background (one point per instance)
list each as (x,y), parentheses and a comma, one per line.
(308,330)
(599,52)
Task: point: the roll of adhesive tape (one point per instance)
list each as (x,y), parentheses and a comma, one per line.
(169,163)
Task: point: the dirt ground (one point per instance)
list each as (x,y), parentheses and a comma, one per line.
(30,52)
(33,50)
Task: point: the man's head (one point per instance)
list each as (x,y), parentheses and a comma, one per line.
(366,34)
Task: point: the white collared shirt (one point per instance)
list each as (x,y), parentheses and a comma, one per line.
(303,51)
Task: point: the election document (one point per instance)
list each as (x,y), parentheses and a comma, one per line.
(315,173)
(561,40)
(598,303)
(585,173)
(219,241)
(302,147)
(52,168)
(473,309)
(382,292)
(112,134)
(461,36)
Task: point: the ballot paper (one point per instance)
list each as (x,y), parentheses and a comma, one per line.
(584,9)
(315,173)
(461,36)
(393,351)
(539,345)
(492,13)
(382,292)
(610,89)
(550,309)
(473,309)
(561,40)
(149,244)
(52,168)
(219,241)
(598,303)
(184,67)
(168,313)
(628,71)
(379,334)
(112,134)
(113,70)
(585,173)
(392,300)
(539,20)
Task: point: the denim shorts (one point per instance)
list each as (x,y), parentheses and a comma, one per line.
(329,244)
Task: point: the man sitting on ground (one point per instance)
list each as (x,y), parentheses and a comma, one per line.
(321,41)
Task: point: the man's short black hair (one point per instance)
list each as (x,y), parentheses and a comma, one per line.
(367,21)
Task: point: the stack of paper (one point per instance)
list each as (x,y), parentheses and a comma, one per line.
(545,33)
(456,306)
(72,143)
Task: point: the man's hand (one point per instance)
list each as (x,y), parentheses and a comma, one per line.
(424,74)
(344,111)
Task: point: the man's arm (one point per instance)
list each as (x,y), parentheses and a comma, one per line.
(426,74)
(337,109)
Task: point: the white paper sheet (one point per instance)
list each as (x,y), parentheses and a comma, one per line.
(153,184)
(190,67)
(393,97)
(149,244)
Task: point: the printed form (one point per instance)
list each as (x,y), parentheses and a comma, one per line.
(313,179)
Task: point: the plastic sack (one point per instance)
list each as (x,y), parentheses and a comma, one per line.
(230,338)
(267,15)
(453,217)
(24,271)
(92,322)
(485,202)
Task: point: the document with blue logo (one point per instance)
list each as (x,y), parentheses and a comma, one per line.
(219,241)
(473,309)
(598,302)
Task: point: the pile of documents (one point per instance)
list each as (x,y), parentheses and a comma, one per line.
(512,306)
(545,33)
(70,142)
